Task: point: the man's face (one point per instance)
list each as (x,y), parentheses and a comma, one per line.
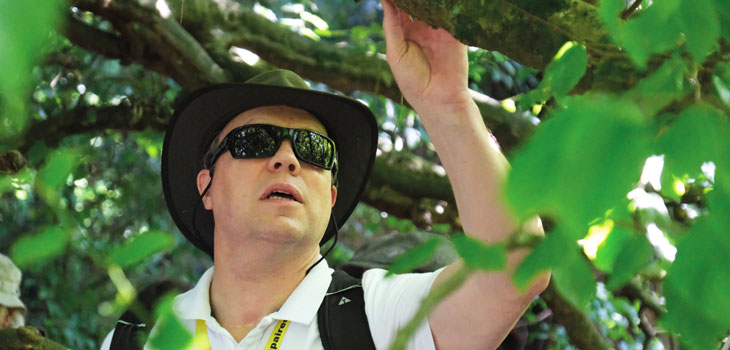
(241,193)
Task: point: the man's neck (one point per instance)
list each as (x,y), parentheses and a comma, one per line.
(248,285)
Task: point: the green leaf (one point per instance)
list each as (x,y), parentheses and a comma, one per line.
(634,255)
(24,25)
(140,248)
(415,257)
(56,170)
(580,163)
(574,279)
(40,247)
(570,270)
(609,11)
(169,333)
(723,12)
(545,256)
(609,250)
(661,87)
(640,36)
(700,25)
(561,75)
(665,24)
(478,255)
(699,134)
(700,273)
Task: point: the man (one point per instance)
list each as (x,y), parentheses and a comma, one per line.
(272,187)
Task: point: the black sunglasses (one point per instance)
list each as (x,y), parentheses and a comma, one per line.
(264,140)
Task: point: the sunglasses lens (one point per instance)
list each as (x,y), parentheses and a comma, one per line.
(254,142)
(314,148)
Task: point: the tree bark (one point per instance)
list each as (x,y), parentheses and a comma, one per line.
(26,338)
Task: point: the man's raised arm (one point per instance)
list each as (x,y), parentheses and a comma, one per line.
(431,70)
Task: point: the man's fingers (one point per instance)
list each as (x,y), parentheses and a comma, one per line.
(393,29)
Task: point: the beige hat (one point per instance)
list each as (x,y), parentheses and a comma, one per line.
(10,277)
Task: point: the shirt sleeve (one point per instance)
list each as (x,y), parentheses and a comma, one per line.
(391,302)
(107,343)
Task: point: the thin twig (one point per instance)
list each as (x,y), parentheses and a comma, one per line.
(631,9)
(429,304)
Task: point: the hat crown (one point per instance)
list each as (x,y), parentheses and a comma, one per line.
(280,77)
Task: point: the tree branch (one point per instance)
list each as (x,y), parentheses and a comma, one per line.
(504,25)
(126,117)
(147,34)
(581,331)
(626,13)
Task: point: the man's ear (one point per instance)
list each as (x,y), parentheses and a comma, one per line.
(203,181)
(334,195)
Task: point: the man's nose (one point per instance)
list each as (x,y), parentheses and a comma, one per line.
(285,158)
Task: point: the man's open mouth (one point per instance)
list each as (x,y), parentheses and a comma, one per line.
(282,192)
(280,195)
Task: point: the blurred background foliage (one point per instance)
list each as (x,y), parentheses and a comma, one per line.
(630,180)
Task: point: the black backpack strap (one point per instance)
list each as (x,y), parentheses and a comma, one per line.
(343,324)
(128,333)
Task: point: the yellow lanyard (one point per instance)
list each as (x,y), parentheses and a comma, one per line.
(201,341)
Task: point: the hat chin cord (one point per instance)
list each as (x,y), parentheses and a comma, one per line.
(334,224)
(332,220)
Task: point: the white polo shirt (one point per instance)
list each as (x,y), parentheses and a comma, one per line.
(389,305)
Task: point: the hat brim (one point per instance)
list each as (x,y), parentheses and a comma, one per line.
(11,301)
(205,112)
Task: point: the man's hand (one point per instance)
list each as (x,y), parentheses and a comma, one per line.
(430,66)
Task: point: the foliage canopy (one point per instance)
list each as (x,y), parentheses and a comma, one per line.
(629,166)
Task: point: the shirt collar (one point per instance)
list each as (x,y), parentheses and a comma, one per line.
(195,303)
(301,306)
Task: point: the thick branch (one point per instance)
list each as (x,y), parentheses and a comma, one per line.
(504,26)
(83,119)
(581,331)
(148,35)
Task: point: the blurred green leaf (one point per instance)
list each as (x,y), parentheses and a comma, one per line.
(723,13)
(574,279)
(140,248)
(478,255)
(635,254)
(169,333)
(663,86)
(415,257)
(40,247)
(570,270)
(692,22)
(445,228)
(609,11)
(547,255)
(561,75)
(610,249)
(700,25)
(24,25)
(581,161)
(699,134)
(700,273)
(56,170)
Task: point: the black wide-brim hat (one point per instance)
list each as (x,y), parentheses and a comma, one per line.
(202,115)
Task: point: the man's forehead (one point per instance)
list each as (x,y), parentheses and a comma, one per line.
(284,116)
